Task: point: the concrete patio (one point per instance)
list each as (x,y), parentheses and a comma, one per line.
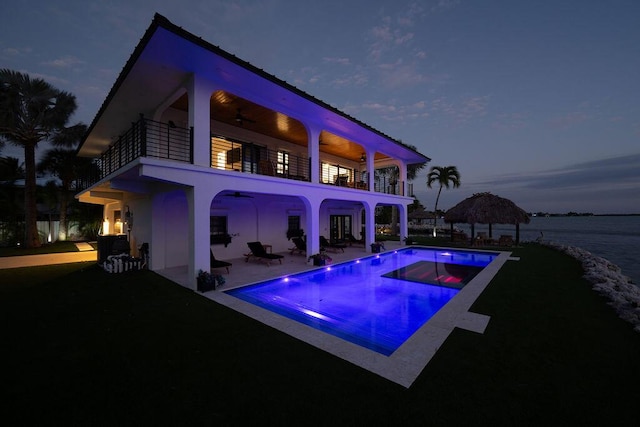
(243,272)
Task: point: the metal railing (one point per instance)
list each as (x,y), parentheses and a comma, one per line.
(388,185)
(257,159)
(334,174)
(148,138)
(145,138)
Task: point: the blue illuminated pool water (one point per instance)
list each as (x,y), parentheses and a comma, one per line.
(376,302)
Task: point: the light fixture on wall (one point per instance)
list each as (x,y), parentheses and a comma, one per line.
(363,157)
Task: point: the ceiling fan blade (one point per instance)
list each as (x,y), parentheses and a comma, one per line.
(237,194)
(241,118)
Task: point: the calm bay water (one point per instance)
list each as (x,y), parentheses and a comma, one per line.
(615,238)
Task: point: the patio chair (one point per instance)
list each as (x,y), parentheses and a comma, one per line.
(218,264)
(324,243)
(258,251)
(505,240)
(342,180)
(300,246)
(265,167)
(352,240)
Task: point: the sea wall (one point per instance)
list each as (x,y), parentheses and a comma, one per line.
(607,279)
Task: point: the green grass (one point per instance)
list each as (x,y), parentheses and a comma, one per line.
(44,249)
(82,347)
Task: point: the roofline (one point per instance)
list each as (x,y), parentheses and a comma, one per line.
(159,21)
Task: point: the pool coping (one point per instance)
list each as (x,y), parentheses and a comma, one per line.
(405,364)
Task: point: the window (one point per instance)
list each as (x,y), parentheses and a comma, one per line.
(294,222)
(340,227)
(282,166)
(218,230)
(293,227)
(336,174)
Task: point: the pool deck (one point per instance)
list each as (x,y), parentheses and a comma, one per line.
(401,367)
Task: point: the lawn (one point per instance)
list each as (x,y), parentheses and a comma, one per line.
(82,347)
(47,248)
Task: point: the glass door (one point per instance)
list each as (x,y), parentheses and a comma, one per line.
(340,227)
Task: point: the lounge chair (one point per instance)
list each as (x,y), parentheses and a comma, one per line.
(219,264)
(352,240)
(324,243)
(300,246)
(258,251)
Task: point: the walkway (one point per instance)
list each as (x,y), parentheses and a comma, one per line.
(85,253)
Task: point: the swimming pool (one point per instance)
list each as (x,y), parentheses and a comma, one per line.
(377,302)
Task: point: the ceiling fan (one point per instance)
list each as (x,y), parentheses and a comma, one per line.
(241,118)
(237,194)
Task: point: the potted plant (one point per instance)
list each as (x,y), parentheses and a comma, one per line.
(207,281)
(320,259)
(376,246)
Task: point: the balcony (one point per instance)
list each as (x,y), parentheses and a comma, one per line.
(148,138)
(247,157)
(145,138)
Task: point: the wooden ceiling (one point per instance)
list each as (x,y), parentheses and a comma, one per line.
(233,110)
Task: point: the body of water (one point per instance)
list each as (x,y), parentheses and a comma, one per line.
(615,238)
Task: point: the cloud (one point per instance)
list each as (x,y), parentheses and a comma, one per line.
(510,121)
(400,74)
(64,62)
(391,111)
(17,51)
(333,60)
(596,175)
(609,185)
(568,120)
(462,110)
(444,5)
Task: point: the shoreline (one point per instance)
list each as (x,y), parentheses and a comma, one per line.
(607,280)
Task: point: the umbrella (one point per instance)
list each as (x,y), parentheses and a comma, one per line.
(487,208)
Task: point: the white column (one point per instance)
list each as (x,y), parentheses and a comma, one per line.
(402,176)
(314,152)
(199,92)
(370,233)
(370,169)
(157,239)
(404,224)
(312,224)
(199,245)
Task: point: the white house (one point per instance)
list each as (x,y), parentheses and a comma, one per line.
(204,150)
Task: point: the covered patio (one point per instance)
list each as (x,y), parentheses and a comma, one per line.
(244,272)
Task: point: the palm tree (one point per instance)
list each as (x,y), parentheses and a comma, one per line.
(444,176)
(66,166)
(31,110)
(11,169)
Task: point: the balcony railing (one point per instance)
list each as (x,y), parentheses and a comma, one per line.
(334,174)
(145,138)
(148,138)
(257,159)
(387,185)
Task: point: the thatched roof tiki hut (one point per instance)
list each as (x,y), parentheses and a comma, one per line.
(486,208)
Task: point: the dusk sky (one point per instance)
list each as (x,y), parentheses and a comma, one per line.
(535,101)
